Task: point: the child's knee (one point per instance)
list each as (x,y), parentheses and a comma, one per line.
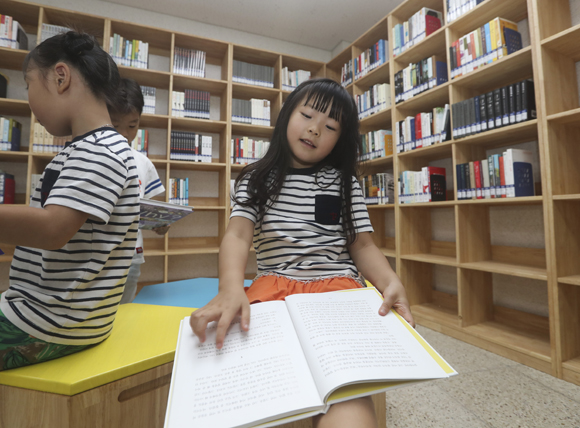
(357,413)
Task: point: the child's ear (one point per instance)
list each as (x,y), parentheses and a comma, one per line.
(63,77)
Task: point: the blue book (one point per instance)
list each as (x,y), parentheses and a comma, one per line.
(441,70)
(513,40)
(523,173)
(488,41)
(16,132)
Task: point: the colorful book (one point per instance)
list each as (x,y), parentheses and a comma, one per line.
(155,214)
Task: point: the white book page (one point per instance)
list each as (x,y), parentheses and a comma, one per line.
(345,340)
(257,376)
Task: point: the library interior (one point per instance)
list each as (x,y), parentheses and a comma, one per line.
(469,115)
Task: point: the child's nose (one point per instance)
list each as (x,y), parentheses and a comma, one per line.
(314,130)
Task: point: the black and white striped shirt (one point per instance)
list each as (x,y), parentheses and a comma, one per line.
(301,236)
(70,296)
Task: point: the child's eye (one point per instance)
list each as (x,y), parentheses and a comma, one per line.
(133,126)
(331,128)
(306,116)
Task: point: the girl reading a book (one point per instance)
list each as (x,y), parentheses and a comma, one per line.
(303,208)
(76,240)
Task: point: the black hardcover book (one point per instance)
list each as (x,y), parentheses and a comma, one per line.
(518,87)
(512,103)
(528,100)
(477,111)
(459,181)
(497,108)
(471,116)
(505,106)
(438,187)
(490,111)
(467,180)
(447,124)
(452,58)
(455,120)
(483,112)
(3,86)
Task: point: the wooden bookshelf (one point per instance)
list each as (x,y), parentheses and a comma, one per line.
(550,344)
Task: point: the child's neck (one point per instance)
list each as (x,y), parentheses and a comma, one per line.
(82,124)
(87,112)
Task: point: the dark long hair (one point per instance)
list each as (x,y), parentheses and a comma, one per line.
(267,175)
(81,51)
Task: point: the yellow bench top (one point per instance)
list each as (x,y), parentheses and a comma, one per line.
(143,337)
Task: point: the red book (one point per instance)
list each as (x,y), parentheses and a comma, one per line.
(9,189)
(502,177)
(472,46)
(418,137)
(478,184)
(432,24)
(457,53)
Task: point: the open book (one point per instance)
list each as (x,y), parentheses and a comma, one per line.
(156,214)
(299,357)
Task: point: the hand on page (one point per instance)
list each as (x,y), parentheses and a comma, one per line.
(223,309)
(395,297)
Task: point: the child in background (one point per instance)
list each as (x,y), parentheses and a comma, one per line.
(77,238)
(125,114)
(302,207)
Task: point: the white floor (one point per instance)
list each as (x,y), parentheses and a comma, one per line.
(490,391)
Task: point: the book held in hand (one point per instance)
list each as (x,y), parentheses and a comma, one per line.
(156,214)
(299,357)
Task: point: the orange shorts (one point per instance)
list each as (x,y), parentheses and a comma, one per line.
(274,287)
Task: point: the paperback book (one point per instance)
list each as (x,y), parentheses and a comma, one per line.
(156,214)
(299,357)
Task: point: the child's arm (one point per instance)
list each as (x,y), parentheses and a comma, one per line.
(231,299)
(374,266)
(48,228)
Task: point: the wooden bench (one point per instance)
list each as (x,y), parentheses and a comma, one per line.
(122,382)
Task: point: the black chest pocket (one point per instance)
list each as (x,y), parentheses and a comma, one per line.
(327,209)
(50,177)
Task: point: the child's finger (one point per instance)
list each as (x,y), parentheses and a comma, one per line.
(405,312)
(198,321)
(222,328)
(387,304)
(245,319)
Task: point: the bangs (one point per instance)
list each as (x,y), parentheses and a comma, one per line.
(322,94)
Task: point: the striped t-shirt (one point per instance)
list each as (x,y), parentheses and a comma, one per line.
(301,236)
(70,296)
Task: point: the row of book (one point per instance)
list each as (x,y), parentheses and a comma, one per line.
(457,8)
(501,107)
(253,74)
(378,189)
(12,35)
(191,103)
(423,129)
(141,141)
(129,53)
(49,30)
(10,133)
(179,191)
(427,185)
(376,144)
(7,188)
(373,100)
(508,175)
(245,150)
(420,25)
(190,146)
(252,111)
(189,62)
(346,73)
(149,99)
(44,142)
(291,79)
(494,40)
(371,58)
(419,77)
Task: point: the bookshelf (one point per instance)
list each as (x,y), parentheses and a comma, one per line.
(408,234)
(472,249)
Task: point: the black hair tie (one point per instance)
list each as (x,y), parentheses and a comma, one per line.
(77,44)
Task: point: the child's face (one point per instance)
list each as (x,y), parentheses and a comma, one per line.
(43,100)
(127,125)
(311,135)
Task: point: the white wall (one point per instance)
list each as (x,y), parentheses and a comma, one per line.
(172,23)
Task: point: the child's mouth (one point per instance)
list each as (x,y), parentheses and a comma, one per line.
(307,142)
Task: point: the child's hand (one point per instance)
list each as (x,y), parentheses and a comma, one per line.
(223,308)
(395,297)
(162,230)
